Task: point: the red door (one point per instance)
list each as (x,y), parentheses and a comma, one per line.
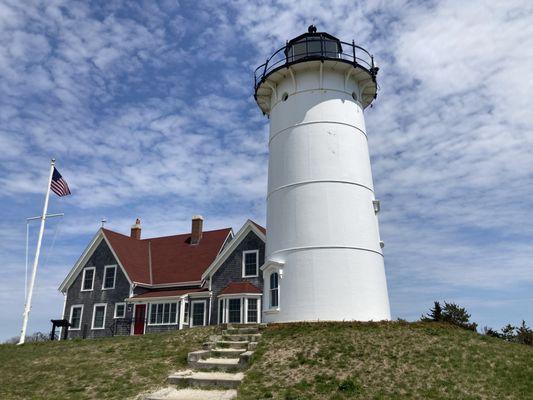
(140,314)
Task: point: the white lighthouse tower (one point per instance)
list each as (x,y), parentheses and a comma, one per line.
(324,258)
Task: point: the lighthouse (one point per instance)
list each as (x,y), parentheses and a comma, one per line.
(324,255)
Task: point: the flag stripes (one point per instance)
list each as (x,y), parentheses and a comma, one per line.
(58,185)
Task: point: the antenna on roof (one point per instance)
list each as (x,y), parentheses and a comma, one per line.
(103,221)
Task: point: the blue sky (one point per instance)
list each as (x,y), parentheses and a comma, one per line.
(148,109)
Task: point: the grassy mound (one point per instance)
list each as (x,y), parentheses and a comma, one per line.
(110,368)
(386,361)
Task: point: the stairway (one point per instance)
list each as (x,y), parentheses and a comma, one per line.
(215,372)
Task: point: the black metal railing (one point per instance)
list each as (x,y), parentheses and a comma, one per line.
(315,48)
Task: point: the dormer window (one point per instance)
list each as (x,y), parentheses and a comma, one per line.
(87,281)
(250,263)
(110,272)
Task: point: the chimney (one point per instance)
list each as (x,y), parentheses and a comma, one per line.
(136,229)
(196,230)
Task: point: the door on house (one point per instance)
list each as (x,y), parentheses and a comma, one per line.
(140,316)
(198,313)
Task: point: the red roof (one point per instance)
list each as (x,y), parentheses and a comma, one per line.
(173,259)
(167,293)
(259,227)
(240,287)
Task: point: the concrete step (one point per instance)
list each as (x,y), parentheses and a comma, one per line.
(194,356)
(252,345)
(251,337)
(234,344)
(221,364)
(241,331)
(206,379)
(191,394)
(226,352)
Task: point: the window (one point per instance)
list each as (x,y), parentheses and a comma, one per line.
(198,313)
(252,310)
(76,313)
(88,279)
(221,311)
(99,312)
(120,310)
(250,261)
(163,314)
(234,311)
(274,290)
(109,277)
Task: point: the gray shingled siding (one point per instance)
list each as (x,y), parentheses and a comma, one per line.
(231,270)
(101,257)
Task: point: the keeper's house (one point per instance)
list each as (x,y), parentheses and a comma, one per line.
(125,285)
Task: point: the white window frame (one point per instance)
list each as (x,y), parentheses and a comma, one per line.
(149,314)
(115,316)
(191,312)
(83,279)
(244,253)
(221,307)
(241,307)
(94,315)
(244,307)
(270,306)
(258,311)
(114,277)
(81,316)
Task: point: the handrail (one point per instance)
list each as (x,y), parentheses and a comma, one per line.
(346,53)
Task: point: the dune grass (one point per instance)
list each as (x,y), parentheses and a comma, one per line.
(108,368)
(386,361)
(331,361)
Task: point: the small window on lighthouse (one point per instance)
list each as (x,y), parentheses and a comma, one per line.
(274,290)
(285,96)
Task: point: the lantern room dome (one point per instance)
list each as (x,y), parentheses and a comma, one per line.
(313,47)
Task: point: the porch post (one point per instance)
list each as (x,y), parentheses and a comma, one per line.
(182,313)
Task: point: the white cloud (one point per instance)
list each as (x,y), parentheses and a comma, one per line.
(149,110)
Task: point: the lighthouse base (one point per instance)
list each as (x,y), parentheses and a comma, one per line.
(328,284)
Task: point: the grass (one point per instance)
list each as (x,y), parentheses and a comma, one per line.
(333,361)
(109,368)
(386,361)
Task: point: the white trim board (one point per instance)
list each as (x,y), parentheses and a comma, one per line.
(114,266)
(115,311)
(87,253)
(83,279)
(248,227)
(167,285)
(81,316)
(244,254)
(94,315)
(191,313)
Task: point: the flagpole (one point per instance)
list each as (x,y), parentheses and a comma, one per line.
(27,306)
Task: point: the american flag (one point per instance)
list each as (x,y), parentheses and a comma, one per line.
(58,185)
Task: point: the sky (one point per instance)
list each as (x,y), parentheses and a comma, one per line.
(148,108)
